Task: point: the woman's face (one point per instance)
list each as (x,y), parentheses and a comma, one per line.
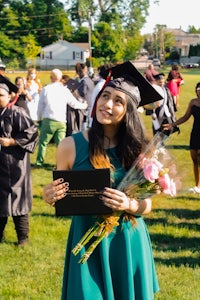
(32,74)
(111,107)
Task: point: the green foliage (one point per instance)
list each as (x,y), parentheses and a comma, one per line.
(133,43)
(194,50)
(35,272)
(31,49)
(111,46)
(44,22)
(174,54)
(192,29)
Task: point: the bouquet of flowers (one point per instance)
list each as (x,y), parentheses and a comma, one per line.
(147,177)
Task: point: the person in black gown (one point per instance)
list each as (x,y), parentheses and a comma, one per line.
(193,109)
(18,138)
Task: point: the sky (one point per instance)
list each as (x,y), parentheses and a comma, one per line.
(173,14)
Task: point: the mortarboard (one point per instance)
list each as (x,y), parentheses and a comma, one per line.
(129,72)
(4,82)
(2,66)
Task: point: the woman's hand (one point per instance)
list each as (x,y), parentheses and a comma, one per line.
(7,142)
(167,126)
(115,199)
(119,201)
(55,191)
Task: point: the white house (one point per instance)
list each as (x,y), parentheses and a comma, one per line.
(184,40)
(62,54)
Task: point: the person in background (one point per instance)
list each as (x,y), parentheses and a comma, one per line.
(193,109)
(163,111)
(174,82)
(34,87)
(85,89)
(18,138)
(150,73)
(23,94)
(91,72)
(52,109)
(2,69)
(122,267)
(3,73)
(73,115)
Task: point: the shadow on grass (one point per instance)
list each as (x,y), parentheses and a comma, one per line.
(164,221)
(178,147)
(185,218)
(193,197)
(180,213)
(179,261)
(49,215)
(167,243)
(47,167)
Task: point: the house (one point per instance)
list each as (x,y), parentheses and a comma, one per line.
(63,55)
(184,40)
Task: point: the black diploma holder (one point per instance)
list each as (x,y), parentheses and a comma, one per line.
(82,198)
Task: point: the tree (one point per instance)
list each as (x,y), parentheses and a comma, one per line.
(31,49)
(132,45)
(111,46)
(192,29)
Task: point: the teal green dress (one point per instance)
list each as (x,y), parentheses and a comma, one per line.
(122,266)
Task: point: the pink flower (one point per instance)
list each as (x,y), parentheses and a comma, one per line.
(152,169)
(164,181)
(168,185)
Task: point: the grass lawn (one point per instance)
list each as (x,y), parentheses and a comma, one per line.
(35,272)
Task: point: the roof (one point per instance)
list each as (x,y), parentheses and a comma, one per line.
(62,45)
(85,46)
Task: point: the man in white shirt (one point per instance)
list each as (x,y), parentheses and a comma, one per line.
(52,110)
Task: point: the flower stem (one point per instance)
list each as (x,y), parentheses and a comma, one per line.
(87,254)
(87,236)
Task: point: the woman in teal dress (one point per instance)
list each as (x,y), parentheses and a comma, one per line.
(122,266)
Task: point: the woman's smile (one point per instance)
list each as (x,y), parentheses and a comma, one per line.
(105,113)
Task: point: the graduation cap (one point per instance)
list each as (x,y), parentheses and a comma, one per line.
(159,76)
(2,66)
(7,85)
(124,76)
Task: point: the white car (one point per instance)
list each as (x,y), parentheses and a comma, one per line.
(156,62)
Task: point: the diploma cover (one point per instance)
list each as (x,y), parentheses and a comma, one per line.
(82,198)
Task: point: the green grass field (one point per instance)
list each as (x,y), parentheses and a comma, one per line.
(35,272)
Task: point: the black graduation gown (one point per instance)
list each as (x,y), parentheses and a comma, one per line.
(15,170)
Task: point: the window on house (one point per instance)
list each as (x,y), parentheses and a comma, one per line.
(77,55)
(48,55)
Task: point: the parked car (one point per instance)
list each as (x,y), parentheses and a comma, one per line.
(156,62)
(190,65)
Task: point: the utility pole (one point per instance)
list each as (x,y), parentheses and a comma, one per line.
(89,38)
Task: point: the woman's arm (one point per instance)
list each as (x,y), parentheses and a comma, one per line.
(182,119)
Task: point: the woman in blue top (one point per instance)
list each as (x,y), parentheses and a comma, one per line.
(122,266)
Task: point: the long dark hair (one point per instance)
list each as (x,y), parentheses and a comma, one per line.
(131,139)
(197,86)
